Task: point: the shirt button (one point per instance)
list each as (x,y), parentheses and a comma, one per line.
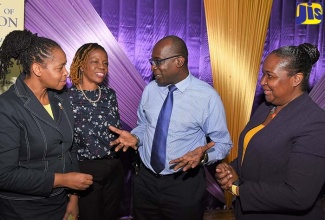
(61,142)
(60,157)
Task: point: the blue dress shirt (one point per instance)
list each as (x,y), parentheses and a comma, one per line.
(198,112)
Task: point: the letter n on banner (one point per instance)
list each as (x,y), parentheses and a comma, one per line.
(11,18)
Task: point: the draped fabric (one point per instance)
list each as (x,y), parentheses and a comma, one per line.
(139,24)
(73,23)
(318,92)
(236,45)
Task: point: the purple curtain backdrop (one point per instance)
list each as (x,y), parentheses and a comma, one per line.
(138,24)
(73,23)
(318,92)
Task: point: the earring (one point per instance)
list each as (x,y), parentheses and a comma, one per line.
(80,76)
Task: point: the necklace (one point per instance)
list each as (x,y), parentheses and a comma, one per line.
(272,112)
(91,101)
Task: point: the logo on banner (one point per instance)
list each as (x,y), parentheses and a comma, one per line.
(309,13)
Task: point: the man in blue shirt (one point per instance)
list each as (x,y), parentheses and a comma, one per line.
(178,191)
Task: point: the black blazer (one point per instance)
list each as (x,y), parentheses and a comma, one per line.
(33,146)
(284,165)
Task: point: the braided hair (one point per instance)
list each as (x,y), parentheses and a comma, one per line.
(79,60)
(26,48)
(300,59)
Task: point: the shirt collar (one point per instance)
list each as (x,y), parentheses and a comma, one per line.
(182,85)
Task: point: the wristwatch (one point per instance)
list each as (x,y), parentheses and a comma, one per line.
(235,185)
(204,159)
(138,139)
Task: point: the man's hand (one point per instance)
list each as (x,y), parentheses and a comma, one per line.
(191,159)
(125,140)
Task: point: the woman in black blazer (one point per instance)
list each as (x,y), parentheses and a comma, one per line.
(279,171)
(37,163)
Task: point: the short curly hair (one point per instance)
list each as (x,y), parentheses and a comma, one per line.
(79,61)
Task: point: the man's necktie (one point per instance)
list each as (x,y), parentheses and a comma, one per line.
(158,152)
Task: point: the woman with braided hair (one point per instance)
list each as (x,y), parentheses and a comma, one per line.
(95,108)
(37,162)
(279,171)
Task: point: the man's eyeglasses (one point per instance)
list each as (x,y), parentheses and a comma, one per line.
(157,62)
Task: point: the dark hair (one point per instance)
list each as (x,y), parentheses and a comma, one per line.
(26,48)
(179,46)
(300,59)
(78,60)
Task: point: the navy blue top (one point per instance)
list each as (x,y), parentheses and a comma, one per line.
(92,135)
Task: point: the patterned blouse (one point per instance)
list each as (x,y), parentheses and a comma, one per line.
(92,135)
